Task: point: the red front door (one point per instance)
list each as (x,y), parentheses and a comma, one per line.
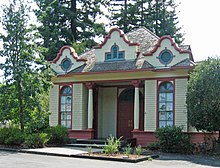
(125,114)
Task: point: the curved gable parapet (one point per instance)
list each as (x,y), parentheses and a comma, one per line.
(72,53)
(121,34)
(181,51)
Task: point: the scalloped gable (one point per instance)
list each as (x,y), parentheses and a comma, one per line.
(167,43)
(66,53)
(116,36)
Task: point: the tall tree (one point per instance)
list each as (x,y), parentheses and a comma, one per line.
(24,70)
(159,16)
(64,22)
(202,96)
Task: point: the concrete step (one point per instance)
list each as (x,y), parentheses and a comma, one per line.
(98,146)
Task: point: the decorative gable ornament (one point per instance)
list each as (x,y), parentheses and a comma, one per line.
(67,59)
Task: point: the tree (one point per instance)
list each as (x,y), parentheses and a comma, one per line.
(203,92)
(26,73)
(65,22)
(159,16)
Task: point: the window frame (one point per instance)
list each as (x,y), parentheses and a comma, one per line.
(110,56)
(65,105)
(166,92)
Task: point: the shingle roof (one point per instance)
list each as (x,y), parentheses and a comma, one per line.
(185,62)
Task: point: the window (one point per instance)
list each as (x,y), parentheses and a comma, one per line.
(115,54)
(166,57)
(165,104)
(66,106)
(66,64)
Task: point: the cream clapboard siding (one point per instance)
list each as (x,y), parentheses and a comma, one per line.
(54,105)
(79,109)
(150,105)
(180,103)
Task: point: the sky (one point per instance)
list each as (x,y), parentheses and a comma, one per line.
(200,21)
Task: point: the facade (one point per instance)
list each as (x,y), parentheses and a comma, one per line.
(127,86)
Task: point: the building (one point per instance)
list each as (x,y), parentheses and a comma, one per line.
(127,86)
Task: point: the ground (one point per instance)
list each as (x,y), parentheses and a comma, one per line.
(22,160)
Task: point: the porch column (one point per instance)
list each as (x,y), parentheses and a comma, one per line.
(90,105)
(136,84)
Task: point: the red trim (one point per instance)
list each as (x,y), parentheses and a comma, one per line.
(136,83)
(72,52)
(121,34)
(90,85)
(121,71)
(181,51)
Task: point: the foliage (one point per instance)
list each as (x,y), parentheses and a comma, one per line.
(171,139)
(26,73)
(154,146)
(128,150)
(202,96)
(89,149)
(138,150)
(36,140)
(64,22)
(159,16)
(112,145)
(58,135)
(11,136)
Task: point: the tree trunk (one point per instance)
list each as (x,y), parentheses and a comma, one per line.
(73,20)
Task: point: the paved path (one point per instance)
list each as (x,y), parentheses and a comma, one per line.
(23,160)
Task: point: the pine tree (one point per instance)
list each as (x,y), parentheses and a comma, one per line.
(24,71)
(64,22)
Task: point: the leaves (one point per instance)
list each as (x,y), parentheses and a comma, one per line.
(202,96)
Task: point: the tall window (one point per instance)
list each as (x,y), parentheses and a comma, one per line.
(166,106)
(66,106)
(115,54)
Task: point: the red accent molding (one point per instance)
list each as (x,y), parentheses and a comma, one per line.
(72,52)
(136,83)
(90,85)
(121,34)
(181,51)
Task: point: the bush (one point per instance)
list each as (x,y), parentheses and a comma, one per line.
(37,140)
(171,139)
(138,150)
(154,146)
(112,146)
(11,136)
(58,135)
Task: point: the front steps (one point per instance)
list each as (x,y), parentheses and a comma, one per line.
(98,143)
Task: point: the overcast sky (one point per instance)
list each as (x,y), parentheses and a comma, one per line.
(201,24)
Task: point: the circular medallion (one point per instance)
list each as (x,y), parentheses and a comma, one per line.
(166,57)
(66,64)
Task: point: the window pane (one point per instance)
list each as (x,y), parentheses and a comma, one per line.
(63,99)
(108,56)
(169,123)
(62,107)
(162,116)
(169,107)
(162,107)
(68,107)
(162,97)
(169,96)
(68,124)
(120,55)
(63,123)
(170,116)
(162,124)
(68,99)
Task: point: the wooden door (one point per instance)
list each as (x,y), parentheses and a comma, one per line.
(125,121)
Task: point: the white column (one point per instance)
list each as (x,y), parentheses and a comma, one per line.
(90,109)
(136,108)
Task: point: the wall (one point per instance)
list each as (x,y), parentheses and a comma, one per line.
(107,112)
(53,105)
(180,103)
(150,105)
(79,107)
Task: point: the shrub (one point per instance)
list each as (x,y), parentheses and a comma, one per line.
(138,150)
(171,139)
(112,145)
(128,150)
(11,136)
(58,135)
(154,146)
(36,140)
